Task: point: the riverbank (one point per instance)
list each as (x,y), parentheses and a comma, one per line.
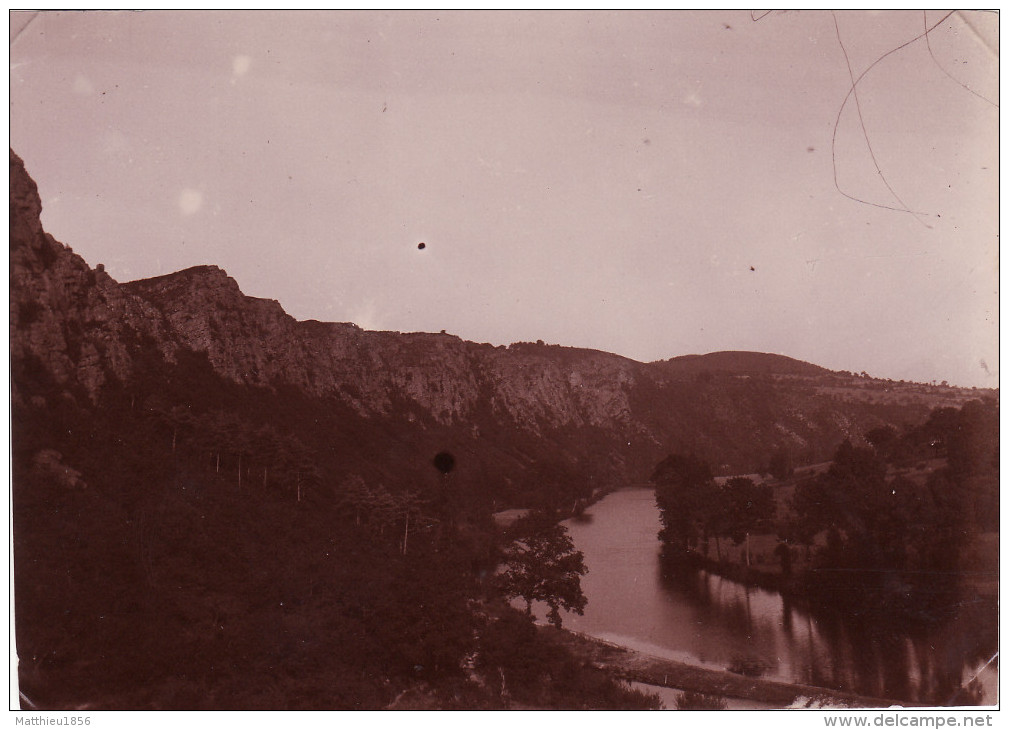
(636,666)
(921,604)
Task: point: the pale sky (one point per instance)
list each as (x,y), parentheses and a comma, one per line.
(652,184)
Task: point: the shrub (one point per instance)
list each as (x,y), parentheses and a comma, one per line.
(747,666)
(699,701)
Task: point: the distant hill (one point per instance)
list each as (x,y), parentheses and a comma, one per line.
(740,363)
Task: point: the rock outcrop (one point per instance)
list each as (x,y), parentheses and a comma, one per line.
(75,320)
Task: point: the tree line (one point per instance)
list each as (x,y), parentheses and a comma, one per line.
(694,509)
(891,516)
(256,454)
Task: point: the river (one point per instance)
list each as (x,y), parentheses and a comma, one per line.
(711,621)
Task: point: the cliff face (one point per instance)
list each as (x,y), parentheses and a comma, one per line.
(73,320)
(86,331)
(253,341)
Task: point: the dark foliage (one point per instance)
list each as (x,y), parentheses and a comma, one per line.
(899,536)
(684,489)
(780,464)
(202,560)
(740,507)
(887,535)
(698,701)
(223,547)
(520,665)
(693,508)
(541,564)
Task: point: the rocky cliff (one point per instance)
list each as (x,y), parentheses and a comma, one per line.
(253,341)
(85,332)
(64,316)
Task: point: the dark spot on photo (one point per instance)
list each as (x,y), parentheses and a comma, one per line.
(444,462)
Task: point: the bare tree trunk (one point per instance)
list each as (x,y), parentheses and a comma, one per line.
(239,469)
(747,550)
(406,532)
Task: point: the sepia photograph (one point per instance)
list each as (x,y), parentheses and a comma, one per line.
(441,360)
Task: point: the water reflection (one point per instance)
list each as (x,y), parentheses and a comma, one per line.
(706,619)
